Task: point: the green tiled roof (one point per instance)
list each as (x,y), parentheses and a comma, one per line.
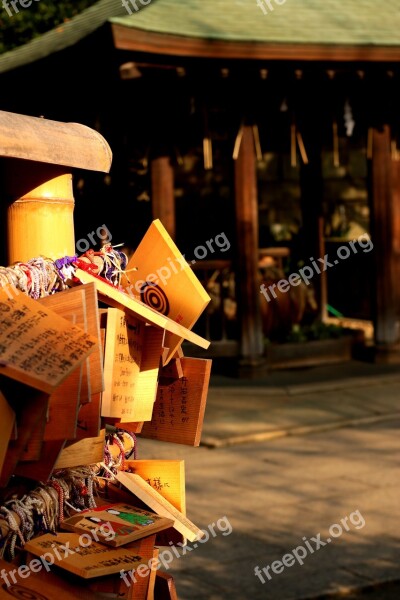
(343,22)
(339,22)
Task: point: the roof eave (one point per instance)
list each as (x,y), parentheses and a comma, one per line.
(135,39)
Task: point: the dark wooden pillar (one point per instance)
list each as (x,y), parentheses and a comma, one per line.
(251,346)
(312,232)
(385,197)
(162,192)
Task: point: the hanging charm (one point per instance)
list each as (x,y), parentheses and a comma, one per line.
(293,153)
(302,148)
(207,153)
(336,158)
(349,122)
(257,143)
(238,142)
(370,143)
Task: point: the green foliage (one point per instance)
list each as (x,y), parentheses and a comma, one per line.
(38,18)
(316,331)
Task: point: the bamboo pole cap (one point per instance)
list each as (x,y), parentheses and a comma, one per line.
(52,142)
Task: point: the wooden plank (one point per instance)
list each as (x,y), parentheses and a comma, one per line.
(152,579)
(179,409)
(7,422)
(168,478)
(38,347)
(117,298)
(93,325)
(131,427)
(63,409)
(141,576)
(30,406)
(52,142)
(173,370)
(33,448)
(87,451)
(42,469)
(95,560)
(38,583)
(88,424)
(88,419)
(164,588)
(129,584)
(154,500)
(165,282)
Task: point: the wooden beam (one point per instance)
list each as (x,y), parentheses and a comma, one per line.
(130,38)
(162,192)
(54,143)
(247,234)
(386,239)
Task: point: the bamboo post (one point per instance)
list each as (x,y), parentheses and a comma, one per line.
(40,155)
(40,214)
(37,157)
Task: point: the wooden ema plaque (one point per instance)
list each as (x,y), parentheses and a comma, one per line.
(38,583)
(64,402)
(165,282)
(178,412)
(128,523)
(95,560)
(89,414)
(88,451)
(88,423)
(134,585)
(168,478)
(38,347)
(82,303)
(154,500)
(112,296)
(72,307)
(131,362)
